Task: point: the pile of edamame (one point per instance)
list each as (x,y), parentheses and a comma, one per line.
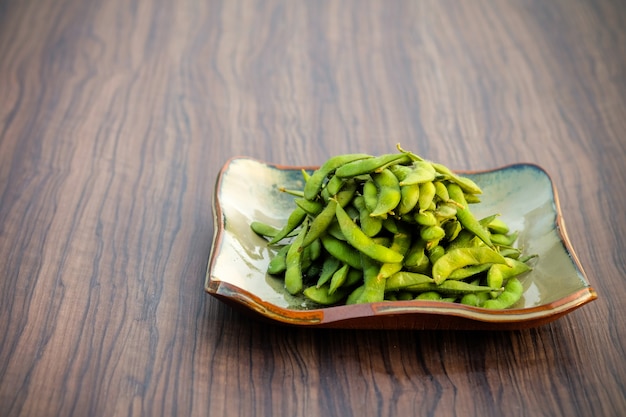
(393,227)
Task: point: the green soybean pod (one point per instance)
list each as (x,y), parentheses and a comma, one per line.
(355,295)
(338,278)
(452,229)
(504,240)
(429,296)
(389,194)
(498,226)
(345,196)
(363,243)
(446,211)
(354,276)
(369,165)
(450,288)
(471,198)
(465,183)
(421,172)
(320,223)
(486,220)
(401,243)
(409,196)
(316,181)
(462,240)
(371,226)
(475,299)
(316,249)
(306,259)
(435,252)
(416,259)
(278,263)
(390,225)
(427,194)
(470,271)
(313,208)
(323,296)
(426,218)
(295,219)
(513,291)
(334,184)
(293,273)
(432,233)
(462,257)
(441,191)
(499,273)
(329,267)
(341,250)
(405,279)
(400,171)
(264,229)
(465,216)
(513,253)
(374,285)
(370,194)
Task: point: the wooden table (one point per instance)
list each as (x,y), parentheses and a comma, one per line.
(115,118)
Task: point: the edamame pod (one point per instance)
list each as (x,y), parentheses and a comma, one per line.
(355,236)
(409,196)
(370,194)
(388,193)
(312,208)
(341,250)
(371,226)
(334,184)
(293,273)
(427,194)
(278,263)
(369,165)
(323,296)
(401,243)
(295,219)
(498,226)
(512,293)
(315,182)
(465,183)
(373,284)
(450,288)
(500,273)
(429,296)
(329,267)
(338,278)
(462,257)
(265,230)
(320,223)
(404,279)
(421,172)
(504,240)
(466,217)
(416,259)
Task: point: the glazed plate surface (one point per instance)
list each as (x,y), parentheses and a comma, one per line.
(247,190)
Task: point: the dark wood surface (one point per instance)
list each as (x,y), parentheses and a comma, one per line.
(116,116)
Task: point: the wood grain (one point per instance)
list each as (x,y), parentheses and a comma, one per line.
(115,118)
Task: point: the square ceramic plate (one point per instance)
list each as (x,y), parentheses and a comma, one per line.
(248,190)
